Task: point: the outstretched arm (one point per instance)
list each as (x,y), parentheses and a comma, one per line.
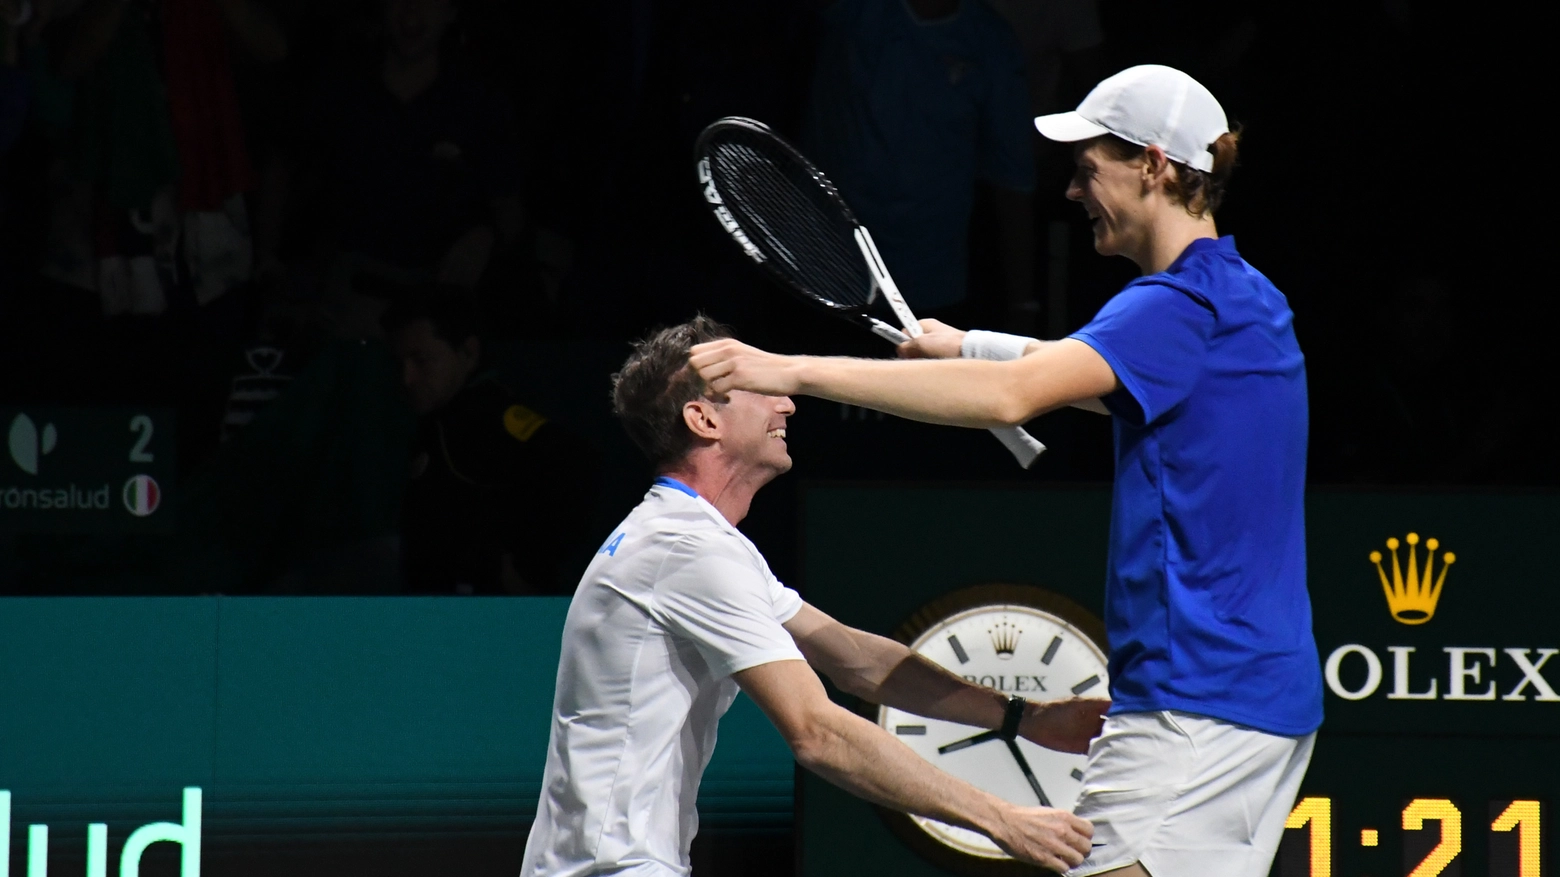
(880,670)
(938,340)
(865,760)
(959,392)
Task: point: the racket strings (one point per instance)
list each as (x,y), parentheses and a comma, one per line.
(788,214)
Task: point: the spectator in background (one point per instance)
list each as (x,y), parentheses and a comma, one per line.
(150,199)
(913,102)
(419,167)
(1060,39)
(1062,56)
(499,497)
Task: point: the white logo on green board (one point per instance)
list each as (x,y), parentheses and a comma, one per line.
(28,443)
(186,834)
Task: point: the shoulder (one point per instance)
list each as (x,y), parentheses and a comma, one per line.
(697,549)
(487,405)
(486,422)
(1211,266)
(1156,292)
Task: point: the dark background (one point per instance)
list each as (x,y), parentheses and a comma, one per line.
(1393,184)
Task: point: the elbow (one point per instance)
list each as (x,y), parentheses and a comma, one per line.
(809,750)
(811,744)
(1013,408)
(857,685)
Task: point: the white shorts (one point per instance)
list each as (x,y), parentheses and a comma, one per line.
(1188,796)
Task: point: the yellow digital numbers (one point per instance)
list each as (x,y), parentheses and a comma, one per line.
(1521,817)
(1317,812)
(1414,816)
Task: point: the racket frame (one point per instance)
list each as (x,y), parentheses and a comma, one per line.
(1024,447)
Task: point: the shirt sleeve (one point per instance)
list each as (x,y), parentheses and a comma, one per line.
(725,604)
(1155,338)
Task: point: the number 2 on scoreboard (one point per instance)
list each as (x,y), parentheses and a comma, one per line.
(1523,817)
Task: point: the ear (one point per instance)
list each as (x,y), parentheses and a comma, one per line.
(702,418)
(1156,165)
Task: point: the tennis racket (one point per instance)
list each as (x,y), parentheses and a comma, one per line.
(788,217)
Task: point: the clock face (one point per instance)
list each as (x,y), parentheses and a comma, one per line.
(1016,649)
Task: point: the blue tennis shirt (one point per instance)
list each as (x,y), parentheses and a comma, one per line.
(1205,595)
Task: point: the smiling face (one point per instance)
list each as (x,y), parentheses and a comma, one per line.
(1114,193)
(753,429)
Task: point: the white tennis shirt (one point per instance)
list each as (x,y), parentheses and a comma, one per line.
(675,602)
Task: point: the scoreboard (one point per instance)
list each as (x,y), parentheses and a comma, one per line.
(1435,618)
(86,470)
(1440,753)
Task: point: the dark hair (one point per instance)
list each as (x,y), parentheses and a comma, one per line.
(649,392)
(1198,191)
(449,309)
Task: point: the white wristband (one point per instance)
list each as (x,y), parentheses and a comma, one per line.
(1000,346)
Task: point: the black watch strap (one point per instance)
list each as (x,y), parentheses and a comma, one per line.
(1013,716)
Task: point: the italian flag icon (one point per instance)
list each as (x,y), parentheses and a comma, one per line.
(141,495)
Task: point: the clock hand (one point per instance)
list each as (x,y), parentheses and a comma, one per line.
(967,742)
(1013,716)
(1029,775)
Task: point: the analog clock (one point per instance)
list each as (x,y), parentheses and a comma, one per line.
(1019,640)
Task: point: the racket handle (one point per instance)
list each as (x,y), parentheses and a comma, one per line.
(1024,447)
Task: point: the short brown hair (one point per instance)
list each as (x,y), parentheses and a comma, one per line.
(649,392)
(1198,191)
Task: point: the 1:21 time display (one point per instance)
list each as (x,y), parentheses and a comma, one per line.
(1519,821)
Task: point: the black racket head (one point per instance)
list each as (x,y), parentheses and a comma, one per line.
(784,213)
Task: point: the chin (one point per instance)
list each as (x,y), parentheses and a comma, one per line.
(1103,245)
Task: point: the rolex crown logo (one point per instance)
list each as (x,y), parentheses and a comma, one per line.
(1412,597)
(1004,638)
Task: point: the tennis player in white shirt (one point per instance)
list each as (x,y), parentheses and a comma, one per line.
(678,610)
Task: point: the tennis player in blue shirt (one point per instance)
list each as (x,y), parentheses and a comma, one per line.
(1215,682)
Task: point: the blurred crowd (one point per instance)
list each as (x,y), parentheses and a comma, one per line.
(381,255)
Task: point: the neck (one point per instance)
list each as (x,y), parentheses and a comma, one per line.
(1169,236)
(408,78)
(725,484)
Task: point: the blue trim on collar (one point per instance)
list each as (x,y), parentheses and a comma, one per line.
(674,484)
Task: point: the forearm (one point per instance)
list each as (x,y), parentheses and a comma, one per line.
(957,392)
(1002,347)
(919,686)
(861,758)
(884,671)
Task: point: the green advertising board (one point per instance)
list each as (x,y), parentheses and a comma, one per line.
(1441,702)
(312,719)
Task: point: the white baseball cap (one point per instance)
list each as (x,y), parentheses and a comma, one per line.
(1149,105)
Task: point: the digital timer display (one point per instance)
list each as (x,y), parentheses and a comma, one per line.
(1514,843)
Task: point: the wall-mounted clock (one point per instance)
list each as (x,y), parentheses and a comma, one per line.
(1020,640)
